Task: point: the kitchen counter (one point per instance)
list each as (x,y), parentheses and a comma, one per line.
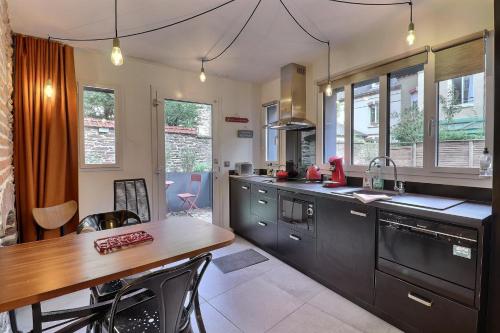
(469,214)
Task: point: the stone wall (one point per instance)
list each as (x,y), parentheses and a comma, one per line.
(100,144)
(8,233)
(185,150)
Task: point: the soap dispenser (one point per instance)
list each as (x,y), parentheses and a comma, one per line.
(485,163)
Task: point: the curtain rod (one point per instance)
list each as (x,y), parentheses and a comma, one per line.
(460,41)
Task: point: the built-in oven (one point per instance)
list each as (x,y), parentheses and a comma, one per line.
(438,256)
(297,210)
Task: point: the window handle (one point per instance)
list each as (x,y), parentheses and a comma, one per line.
(430,127)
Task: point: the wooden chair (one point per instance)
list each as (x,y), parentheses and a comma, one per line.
(55,217)
(189,199)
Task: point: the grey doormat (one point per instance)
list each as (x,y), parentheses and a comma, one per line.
(233,262)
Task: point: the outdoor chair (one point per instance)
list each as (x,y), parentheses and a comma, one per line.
(189,199)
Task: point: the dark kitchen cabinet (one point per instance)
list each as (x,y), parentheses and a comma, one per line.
(346,247)
(297,247)
(239,210)
(263,232)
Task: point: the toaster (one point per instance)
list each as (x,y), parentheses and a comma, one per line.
(243,168)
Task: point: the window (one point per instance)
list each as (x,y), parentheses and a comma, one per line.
(406,116)
(272,135)
(365,134)
(99,135)
(461,121)
(334,117)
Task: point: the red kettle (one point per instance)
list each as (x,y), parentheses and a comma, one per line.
(312,173)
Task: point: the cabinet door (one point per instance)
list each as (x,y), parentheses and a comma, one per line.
(263,232)
(299,248)
(346,247)
(239,203)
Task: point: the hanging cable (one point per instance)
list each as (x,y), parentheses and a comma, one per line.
(203,77)
(142,32)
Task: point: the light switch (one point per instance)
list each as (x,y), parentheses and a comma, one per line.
(227,164)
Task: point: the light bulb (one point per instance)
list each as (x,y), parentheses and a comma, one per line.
(410,38)
(116,53)
(203,77)
(48,89)
(328,90)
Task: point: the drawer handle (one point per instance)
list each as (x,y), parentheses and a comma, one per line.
(262,224)
(295,238)
(419,300)
(244,187)
(354,212)
(262,191)
(262,202)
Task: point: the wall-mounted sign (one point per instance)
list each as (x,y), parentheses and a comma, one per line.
(236,120)
(248,134)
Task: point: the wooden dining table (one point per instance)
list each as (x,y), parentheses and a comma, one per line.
(38,271)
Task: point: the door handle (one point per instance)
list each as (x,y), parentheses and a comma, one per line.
(354,212)
(420,300)
(262,224)
(295,238)
(262,191)
(262,202)
(244,187)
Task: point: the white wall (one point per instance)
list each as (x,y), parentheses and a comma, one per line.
(446,20)
(133,79)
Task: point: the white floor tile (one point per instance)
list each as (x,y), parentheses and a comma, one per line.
(349,313)
(311,320)
(256,306)
(213,321)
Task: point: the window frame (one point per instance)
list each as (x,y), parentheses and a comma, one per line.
(430,172)
(118,128)
(266,132)
(323,124)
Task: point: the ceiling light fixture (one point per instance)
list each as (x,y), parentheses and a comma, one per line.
(116,52)
(203,77)
(410,37)
(329,89)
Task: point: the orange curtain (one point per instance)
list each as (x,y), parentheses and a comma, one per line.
(45,130)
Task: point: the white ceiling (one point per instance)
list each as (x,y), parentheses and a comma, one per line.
(270,40)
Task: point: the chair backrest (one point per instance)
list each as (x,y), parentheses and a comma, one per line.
(174,289)
(109,220)
(195,178)
(54,217)
(132,195)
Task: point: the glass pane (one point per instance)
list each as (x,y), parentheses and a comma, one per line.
(272,134)
(99,125)
(407,116)
(334,125)
(365,122)
(461,128)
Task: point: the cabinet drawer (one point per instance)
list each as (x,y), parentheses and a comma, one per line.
(422,309)
(265,191)
(264,207)
(263,232)
(298,247)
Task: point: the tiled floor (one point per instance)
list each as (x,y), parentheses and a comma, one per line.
(267,297)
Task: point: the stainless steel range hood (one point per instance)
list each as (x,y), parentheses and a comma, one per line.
(293,99)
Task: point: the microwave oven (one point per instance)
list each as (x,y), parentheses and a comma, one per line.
(243,168)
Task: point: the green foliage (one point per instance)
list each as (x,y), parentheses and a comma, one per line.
(201,167)
(445,135)
(188,159)
(99,104)
(450,104)
(181,114)
(409,127)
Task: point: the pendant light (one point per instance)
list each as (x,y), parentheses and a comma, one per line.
(203,77)
(329,89)
(116,52)
(410,37)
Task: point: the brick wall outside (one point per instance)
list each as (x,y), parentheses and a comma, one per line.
(7,218)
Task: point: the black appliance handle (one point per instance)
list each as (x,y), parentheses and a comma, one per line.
(429,232)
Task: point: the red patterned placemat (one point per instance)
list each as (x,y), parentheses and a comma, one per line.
(120,242)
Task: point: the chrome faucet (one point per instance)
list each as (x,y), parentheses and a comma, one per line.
(398,186)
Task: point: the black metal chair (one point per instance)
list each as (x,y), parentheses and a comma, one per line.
(173,296)
(132,195)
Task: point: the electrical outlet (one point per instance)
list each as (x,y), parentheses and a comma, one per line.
(227,164)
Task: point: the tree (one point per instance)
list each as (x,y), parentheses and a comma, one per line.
(450,104)
(181,114)
(409,127)
(99,104)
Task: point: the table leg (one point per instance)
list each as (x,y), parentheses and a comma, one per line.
(197,311)
(36,310)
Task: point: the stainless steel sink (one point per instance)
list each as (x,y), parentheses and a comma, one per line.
(367,191)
